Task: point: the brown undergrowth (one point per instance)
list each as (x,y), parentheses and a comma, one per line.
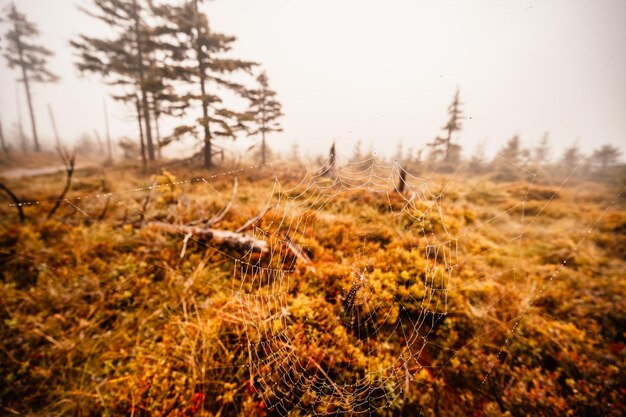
(103,313)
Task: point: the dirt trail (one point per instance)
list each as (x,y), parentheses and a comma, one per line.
(33,172)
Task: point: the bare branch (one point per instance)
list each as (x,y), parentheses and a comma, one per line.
(402,182)
(144,207)
(253,220)
(220,214)
(298,252)
(69,161)
(16,202)
(106,202)
(185,240)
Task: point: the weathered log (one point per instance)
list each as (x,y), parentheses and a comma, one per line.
(234,240)
(230,239)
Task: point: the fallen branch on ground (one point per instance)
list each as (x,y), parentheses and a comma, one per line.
(298,252)
(253,220)
(234,240)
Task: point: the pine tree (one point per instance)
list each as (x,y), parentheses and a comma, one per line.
(399,155)
(477,161)
(370,157)
(511,151)
(30,58)
(357,153)
(198,58)
(162,94)
(443,145)
(294,155)
(122,60)
(329,169)
(605,157)
(508,160)
(542,151)
(570,159)
(415,160)
(264,110)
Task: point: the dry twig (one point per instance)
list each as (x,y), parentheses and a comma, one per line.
(69,161)
(16,202)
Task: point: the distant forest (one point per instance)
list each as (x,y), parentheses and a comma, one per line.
(164,61)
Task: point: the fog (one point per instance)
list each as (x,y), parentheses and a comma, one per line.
(382,72)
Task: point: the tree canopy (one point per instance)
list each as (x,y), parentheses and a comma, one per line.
(24,53)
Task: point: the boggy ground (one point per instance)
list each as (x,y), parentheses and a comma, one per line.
(493,299)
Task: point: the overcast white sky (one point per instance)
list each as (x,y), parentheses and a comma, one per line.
(385,71)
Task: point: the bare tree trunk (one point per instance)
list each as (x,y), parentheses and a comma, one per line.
(144,163)
(69,162)
(208,152)
(108,134)
(208,161)
(146,115)
(446,157)
(20,125)
(263,144)
(2,142)
(263,132)
(99,140)
(16,202)
(33,124)
(156,114)
(54,127)
(402,183)
(329,168)
(31,112)
(142,82)
(158,136)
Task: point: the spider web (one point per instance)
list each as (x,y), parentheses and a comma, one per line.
(291,375)
(292,356)
(387,319)
(291,380)
(286,373)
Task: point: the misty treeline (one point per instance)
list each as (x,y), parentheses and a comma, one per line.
(161,59)
(513,161)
